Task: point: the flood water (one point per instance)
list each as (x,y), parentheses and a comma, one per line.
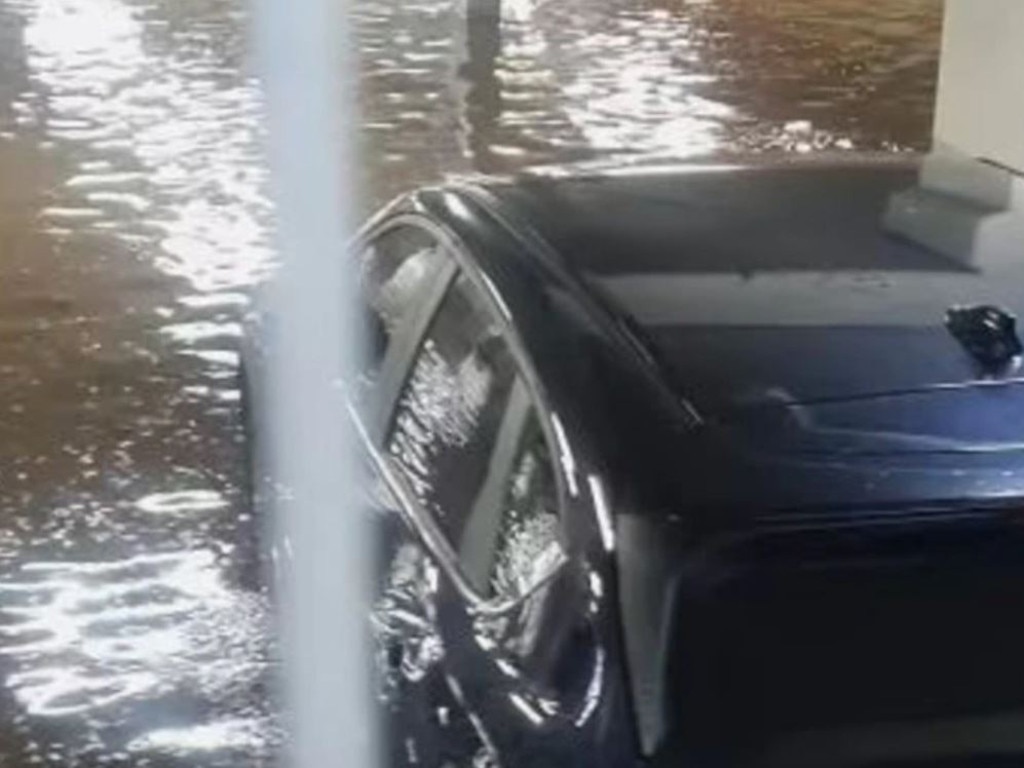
(134,224)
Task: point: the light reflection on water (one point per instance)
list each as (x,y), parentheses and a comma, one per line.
(234,734)
(134,221)
(180,169)
(123,628)
(93,638)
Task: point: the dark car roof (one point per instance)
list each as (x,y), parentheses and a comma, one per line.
(777,305)
(760,285)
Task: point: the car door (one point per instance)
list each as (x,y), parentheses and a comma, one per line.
(468,450)
(404,268)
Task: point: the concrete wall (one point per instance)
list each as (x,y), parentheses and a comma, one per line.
(980,102)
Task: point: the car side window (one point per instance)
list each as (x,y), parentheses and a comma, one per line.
(528,542)
(396,270)
(467,438)
(450,409)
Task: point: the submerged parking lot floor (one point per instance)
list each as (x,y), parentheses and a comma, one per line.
(135,222)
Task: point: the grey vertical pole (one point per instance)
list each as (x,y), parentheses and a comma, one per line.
(307,83)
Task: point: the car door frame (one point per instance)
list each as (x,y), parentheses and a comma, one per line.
(394,373)
(606,694)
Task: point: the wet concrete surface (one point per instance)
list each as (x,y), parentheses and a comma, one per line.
(134,224)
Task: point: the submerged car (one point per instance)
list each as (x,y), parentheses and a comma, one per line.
(691,467)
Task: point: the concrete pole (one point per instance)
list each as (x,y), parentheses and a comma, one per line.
(307,74)
(979,109)
(969,203)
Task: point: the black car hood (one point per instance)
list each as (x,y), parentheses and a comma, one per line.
(720,368)
(752,282)
(975,417)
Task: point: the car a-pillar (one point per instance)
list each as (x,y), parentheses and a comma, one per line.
(969,201)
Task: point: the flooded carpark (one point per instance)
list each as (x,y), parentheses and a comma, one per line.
(135,224)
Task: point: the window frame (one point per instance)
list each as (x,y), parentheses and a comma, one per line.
(411,336)
(404,345)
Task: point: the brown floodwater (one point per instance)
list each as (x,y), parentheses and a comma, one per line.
(135,223)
